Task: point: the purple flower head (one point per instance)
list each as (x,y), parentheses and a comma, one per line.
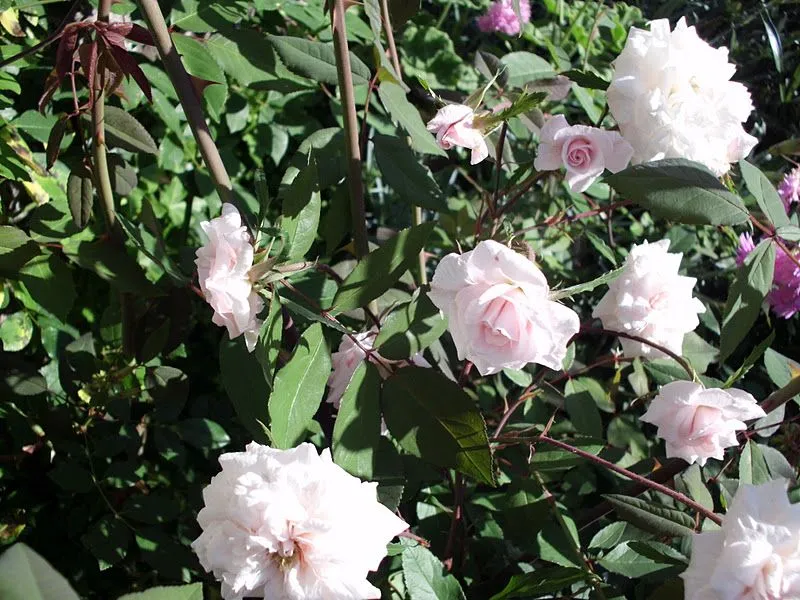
(789,188)
(785,295)
(746,246)
(501,17)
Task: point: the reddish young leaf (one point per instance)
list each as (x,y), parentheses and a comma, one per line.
(87,53)
(130,67)
(54,140)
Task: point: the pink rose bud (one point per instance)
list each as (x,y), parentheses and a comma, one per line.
(223,264)
(499,311)
(699,423)
(453,126)
(585,151)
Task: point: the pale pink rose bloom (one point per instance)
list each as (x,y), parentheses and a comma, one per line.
(584,151)
(350,354)
(453,126)
(699,423)
(292,525)
(652,301)
(499,311)
(223,264)
(755,555)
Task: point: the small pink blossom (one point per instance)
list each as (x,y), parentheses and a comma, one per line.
(501,17)
(454,126)
(699,423)
(789,188)
(585,151)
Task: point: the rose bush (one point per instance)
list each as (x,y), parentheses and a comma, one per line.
(268,331)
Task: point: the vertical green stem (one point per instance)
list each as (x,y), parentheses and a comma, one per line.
(387,27)
(189,99)
(102,179)
(357,210)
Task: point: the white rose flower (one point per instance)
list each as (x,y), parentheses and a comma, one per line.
(672,97)
(292,525)
(499,310)
(346,359)
(650,300)
(699,423)
(223,266)
(756,553)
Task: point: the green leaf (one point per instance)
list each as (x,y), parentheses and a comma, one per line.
(124,131)
(404,173)
(491,67)
(152,246)
(301,210)
(113,264)
(193,591)
(432,418)
(202,16)
(16,248)
(601,246)
(547,580)
(753,282)
(246,384)
(524,67)
(410,328)
(357,431)
(692,482)
(680,190)
(35,124)
(753,467)
(789,233)
(698,352)
(425,577)
(550,458)
(582,411)
(108,541)
(203,434)
(80,193)
(316,60)
(651,517)
(633,559)
(16,331)
(768,199)
(244,55)
(200,63)
(585,287)
(24,575)
(48,280)
(586,79)
(380,269)
(72,477)
(299,387)
(405,114)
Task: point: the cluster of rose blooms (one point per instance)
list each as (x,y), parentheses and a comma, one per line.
(292,524)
